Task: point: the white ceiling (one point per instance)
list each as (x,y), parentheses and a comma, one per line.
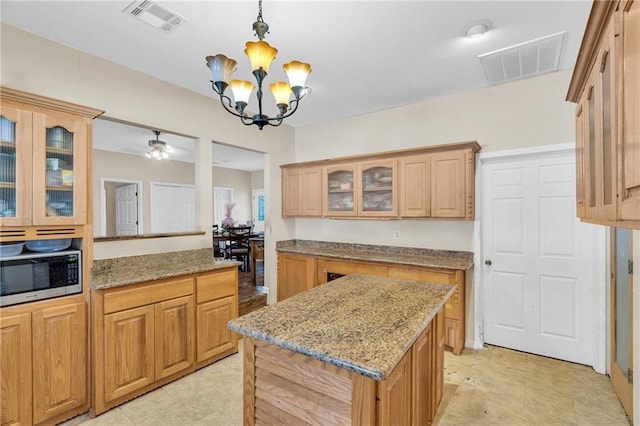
(366,56)
(128,139)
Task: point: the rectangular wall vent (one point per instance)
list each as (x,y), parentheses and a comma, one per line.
(523,60)
(151,13)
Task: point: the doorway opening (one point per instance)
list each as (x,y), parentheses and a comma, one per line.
(121,207)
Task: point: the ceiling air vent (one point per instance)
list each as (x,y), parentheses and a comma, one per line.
(150,12)
(523,60)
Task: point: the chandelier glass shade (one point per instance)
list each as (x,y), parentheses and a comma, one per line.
(158,149)
(261,54)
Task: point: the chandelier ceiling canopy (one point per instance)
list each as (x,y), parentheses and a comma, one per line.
(158,149)
(260,54)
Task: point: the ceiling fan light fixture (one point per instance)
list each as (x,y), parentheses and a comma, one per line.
(476,29)
(158,149)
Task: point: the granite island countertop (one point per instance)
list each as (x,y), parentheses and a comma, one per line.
(358,322)
(444,259)
(119,271)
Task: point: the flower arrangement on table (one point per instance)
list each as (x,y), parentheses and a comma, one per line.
(228,221)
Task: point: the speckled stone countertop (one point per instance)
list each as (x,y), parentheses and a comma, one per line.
(445,259)
(119,271)
(358,322)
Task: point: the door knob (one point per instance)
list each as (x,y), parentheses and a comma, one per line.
(487,262)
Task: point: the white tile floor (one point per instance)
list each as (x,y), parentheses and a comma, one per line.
(491,386)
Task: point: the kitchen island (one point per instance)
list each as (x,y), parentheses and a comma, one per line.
(358,350)
(304,264)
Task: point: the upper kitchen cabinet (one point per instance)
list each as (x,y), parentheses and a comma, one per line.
(301,191)
(44,146)
(378,190)
(607,92)
(440,184)
(433,181)
(361,189)
(452,184)
(340,189)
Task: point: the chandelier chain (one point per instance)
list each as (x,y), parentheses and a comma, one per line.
(259,18)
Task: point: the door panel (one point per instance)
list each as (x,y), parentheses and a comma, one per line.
(539,258)
(622,318)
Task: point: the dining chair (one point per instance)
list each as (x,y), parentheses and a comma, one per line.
(240,247)
(218,246)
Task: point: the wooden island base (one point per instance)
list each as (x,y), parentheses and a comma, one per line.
(284,387)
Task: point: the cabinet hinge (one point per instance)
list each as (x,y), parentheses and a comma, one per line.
(630,376)
(630,266)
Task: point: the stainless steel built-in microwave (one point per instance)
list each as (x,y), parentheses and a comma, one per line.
(38,276)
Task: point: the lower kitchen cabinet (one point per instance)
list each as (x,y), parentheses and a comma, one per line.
(15,366)
(43,362)
(148,334)
(174,336)
(217,299)
(394,395)
(296,274)
(129,351)
(59,360)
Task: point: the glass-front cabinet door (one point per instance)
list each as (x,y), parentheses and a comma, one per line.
(15,166)
(60,169)
(340,190)
(378,195)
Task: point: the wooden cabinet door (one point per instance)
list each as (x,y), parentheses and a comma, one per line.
(422,360)
(129,351)
(580,164)
(213,335)
(378,183)
(291,193)
(340,186)
(630,145)
(59,360)
(174,336)
(15,166)
(295,274)
(15,370)
(415,188)
(311,191)
(448,191)
(438,325)
(59,168)
(394,395)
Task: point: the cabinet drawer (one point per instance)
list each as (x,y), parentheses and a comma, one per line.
(216,286)
(128,298)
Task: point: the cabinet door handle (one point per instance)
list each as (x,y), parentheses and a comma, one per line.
(488,262)
(324,270)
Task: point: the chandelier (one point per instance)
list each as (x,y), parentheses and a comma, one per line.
(260,54)
(157,148)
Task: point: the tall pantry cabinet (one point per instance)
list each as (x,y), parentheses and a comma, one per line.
(606,88)
(45,181)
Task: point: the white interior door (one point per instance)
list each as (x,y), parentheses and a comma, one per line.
(173,208)
(127,209)
(540,262)
(221,197)
(257,210)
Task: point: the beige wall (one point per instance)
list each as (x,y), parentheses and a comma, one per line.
(114,165)
(257,179)
(240,181)
(37,65)
(521,114)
